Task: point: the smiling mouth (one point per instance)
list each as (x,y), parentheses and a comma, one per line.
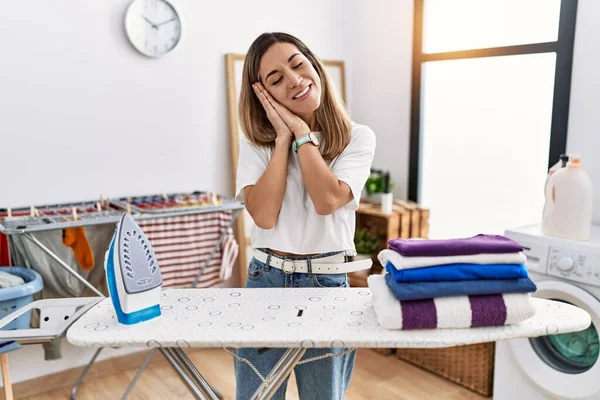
(303,94)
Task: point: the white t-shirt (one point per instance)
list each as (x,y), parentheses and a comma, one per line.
(299,229)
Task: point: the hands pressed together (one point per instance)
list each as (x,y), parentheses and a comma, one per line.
(325,190)
(288,125)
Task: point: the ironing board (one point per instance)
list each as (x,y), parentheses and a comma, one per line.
(293,318)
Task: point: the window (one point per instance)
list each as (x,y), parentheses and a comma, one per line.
(490,102)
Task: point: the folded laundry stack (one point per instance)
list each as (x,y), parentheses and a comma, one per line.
(454,283)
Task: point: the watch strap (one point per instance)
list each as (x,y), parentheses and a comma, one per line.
(300,141)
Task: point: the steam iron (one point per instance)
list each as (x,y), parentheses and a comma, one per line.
(132,273)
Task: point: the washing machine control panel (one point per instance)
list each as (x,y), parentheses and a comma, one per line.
(574,265)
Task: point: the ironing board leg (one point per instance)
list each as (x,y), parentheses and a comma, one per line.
(8,394)
(280,371)
(62,263)
(138,374)
(83,374)
(183,358)
(197,391)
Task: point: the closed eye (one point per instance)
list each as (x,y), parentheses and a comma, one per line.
(281,77)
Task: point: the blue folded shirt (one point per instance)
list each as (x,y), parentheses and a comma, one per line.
(457,272)
(429,290)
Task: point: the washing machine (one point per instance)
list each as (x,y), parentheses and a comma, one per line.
(564,366)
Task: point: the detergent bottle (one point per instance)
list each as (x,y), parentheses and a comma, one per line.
(562,162)
(568,206)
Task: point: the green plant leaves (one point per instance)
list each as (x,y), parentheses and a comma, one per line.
(365,243)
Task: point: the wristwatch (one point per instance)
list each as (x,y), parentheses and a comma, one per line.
(310,137)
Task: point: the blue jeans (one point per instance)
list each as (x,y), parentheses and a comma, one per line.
(319,380)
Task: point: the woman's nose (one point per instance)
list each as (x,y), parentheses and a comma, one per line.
(295,79)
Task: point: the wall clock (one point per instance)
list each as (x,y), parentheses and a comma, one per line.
(152,26)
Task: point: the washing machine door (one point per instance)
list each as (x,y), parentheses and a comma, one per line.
(565,366)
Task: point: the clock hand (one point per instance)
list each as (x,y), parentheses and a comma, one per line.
(166,22)
(150,22)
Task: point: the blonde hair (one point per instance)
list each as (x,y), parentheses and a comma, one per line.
(332,116)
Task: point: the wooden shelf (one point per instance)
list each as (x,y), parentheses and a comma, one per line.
(359,278)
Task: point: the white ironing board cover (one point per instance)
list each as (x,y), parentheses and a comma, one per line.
(341,317)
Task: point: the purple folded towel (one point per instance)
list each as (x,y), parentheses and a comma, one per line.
(478,244)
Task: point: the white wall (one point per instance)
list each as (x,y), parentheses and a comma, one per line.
(584,115)
(82,114)
(379,44)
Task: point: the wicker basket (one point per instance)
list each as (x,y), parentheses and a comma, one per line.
(384,351)
(471,366)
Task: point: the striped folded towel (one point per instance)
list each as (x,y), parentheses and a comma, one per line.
(447,312)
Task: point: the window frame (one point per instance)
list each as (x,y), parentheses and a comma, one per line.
(563,47)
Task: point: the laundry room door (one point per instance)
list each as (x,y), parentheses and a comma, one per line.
(564,365)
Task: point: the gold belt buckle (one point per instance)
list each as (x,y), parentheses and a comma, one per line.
(288,266)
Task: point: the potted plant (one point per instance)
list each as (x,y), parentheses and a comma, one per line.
(376,184)
(367,244)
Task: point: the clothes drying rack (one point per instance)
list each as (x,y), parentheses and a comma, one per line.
(25,221)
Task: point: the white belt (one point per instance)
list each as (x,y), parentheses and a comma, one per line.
(326,265)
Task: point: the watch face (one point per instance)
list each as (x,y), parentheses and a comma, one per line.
(153,26)
(315,139)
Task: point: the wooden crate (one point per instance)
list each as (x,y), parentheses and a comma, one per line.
(407,220)
(383,226)
(416,222)
(380,225)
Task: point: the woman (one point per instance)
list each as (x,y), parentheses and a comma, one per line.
(301,170)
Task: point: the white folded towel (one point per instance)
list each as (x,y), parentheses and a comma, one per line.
(403,262)
(447,312)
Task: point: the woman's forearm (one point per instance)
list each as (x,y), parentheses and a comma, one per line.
(323,187)
(264,199)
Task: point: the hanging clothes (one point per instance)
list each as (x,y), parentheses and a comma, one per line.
(4,254)
(77,240)
(57,281)
(182,244)
(230,250)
